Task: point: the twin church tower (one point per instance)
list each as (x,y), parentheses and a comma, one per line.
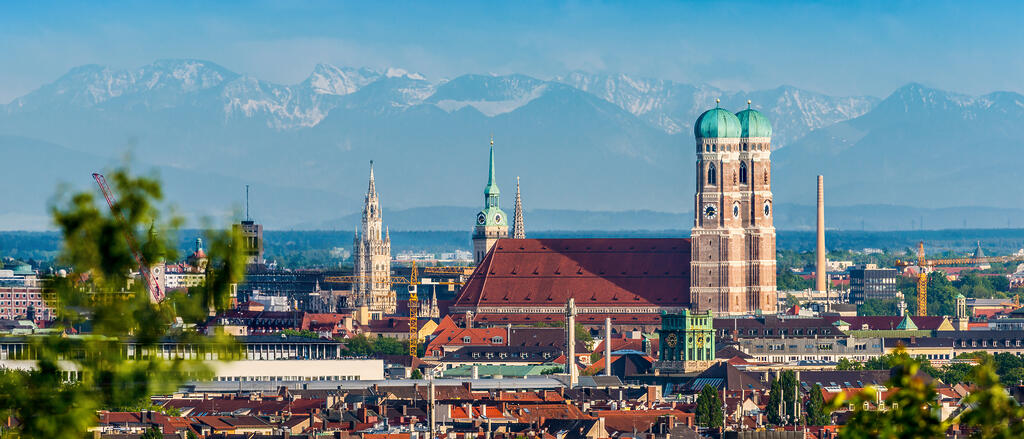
(732,243)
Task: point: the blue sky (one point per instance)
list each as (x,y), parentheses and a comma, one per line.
(839,48)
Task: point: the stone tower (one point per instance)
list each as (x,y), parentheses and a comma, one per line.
(518,229)
(491,222)
(371,255)
(732,268)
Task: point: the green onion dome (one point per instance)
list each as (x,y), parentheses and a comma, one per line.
(716,123)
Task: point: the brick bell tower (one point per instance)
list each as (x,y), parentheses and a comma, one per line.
(732,268)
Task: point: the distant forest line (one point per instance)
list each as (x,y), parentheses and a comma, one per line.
(330,248)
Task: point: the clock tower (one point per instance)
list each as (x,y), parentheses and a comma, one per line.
(732,268)
(491,223)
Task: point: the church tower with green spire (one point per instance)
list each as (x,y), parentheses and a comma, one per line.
(491,222)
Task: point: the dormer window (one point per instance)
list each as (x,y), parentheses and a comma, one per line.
(497,339)
(466,339)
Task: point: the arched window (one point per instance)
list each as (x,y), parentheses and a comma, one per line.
(712,176)
(743,172)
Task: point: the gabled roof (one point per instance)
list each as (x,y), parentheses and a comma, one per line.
(596,272)
(727,376)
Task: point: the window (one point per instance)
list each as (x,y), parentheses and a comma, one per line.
(743,172)
(466,339)
(712,175)
(497,339)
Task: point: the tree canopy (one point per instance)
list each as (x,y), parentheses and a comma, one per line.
(102,293)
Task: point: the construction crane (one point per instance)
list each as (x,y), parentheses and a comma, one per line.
(412,281)
(460,270)
(414,334)
(926,265)
(156,294)
(392,280)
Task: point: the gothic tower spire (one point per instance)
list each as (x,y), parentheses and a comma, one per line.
(518,231)
(372,190)
(491,223)
(372,257)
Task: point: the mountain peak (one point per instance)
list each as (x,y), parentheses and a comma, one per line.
(332,80)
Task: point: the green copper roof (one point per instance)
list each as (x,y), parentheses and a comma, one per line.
(753,123)
(492,186)
(716,122)
(907,324)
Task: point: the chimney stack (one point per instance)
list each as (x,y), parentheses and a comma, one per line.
(570,326)
(607,346)
(821,280)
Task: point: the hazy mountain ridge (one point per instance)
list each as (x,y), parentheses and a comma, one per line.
(673,106)
(666,105)
(918,147)
(607,143)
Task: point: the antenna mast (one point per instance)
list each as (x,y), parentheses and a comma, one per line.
(247,217)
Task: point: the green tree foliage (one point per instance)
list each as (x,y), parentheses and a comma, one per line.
(788,385)
(791,301)
(941,294)
(362,346)
(787,280)
(116,309)
(816,410)
(190,435)
(954,373)
(876,307)
(911,410)
(889,361)
(774,406)
(709,408)
(984,287)
(300,333)
(993,414)
(416,374)
(847,364)
(152,433)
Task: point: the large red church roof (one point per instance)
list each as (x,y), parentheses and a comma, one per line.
(606,273)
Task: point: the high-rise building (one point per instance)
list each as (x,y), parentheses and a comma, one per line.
(491,222)
(733,237)
(868,282)
(371,250)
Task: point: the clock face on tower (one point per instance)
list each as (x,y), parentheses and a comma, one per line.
(710,211)
(497,218)
(671,339)
(481,218)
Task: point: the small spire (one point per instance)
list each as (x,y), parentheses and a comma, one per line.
(387,233)
(717,101)
(492,185)
(373,188)
(518,230)
(748,104)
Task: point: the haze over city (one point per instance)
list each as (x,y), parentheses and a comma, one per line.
(507,220)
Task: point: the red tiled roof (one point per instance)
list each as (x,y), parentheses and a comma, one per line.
(596,272)
(590,319)
(638,420)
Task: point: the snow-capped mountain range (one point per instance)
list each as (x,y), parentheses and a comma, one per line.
(580,141)
(667,105)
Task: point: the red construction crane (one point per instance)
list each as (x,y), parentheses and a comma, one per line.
(156,294)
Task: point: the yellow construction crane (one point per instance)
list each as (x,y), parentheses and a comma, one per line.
(414,334)
(460,270)
(927,265)
(412,281)
(393,280)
